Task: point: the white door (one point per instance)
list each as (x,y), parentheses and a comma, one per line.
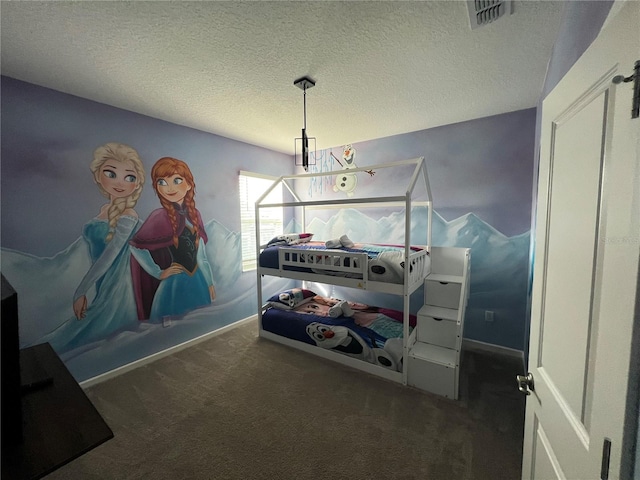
(587,248)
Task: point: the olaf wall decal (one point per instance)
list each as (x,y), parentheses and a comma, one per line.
(347,182)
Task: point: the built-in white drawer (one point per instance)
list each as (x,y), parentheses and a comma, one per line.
(433,369)
(442,294)
(438,331)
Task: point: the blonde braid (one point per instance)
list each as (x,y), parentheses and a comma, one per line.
(113,214)
(121,153)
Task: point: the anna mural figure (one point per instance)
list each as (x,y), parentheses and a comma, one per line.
(119,174)
(170,269)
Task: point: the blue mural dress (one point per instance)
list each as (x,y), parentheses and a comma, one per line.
(153,251)
(113,308)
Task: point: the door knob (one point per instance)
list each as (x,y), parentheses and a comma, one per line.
(525,383)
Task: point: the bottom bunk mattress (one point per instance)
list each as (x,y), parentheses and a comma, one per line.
(369,333)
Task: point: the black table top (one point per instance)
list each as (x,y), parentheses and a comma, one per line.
(59,422)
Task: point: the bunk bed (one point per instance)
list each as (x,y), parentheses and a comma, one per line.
(375,267)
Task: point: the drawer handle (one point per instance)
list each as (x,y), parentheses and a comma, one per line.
(437,319)
(444,283)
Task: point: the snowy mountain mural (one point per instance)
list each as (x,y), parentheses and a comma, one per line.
(45,288)
(499,272)
(499,264)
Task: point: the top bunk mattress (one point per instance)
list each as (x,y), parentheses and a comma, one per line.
(382,263)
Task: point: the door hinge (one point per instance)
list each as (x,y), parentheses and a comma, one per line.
(635,78)
(606,455)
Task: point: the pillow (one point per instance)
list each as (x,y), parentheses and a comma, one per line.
(387,267)
(290,299)
(290,239)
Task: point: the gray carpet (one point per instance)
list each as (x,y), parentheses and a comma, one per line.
(240,407)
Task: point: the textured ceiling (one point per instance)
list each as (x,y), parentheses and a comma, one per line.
(381,67)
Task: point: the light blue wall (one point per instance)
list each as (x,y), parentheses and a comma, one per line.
(48,194)
(480,173)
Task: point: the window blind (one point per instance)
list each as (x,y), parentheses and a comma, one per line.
(251,187)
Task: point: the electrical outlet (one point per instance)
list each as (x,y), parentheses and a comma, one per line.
(488,316)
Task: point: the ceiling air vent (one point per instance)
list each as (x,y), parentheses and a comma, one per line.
(482,12)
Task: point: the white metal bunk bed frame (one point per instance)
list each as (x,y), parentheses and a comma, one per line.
(334,260)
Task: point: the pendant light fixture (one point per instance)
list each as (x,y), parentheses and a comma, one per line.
(302,152)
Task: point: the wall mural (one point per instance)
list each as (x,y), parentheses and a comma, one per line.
(124,280)
(151,270)
(73,225)
(70,227)
(499,265)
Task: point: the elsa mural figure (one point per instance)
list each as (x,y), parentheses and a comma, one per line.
(119,174)
(170,269)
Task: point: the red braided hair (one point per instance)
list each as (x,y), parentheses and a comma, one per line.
(166,167)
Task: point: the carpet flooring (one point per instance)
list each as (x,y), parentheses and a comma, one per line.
(239,407)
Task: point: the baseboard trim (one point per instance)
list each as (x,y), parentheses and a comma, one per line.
(478,346)
(467,344)
(156,356)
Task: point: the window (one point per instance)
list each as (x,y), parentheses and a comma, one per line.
(252,186)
